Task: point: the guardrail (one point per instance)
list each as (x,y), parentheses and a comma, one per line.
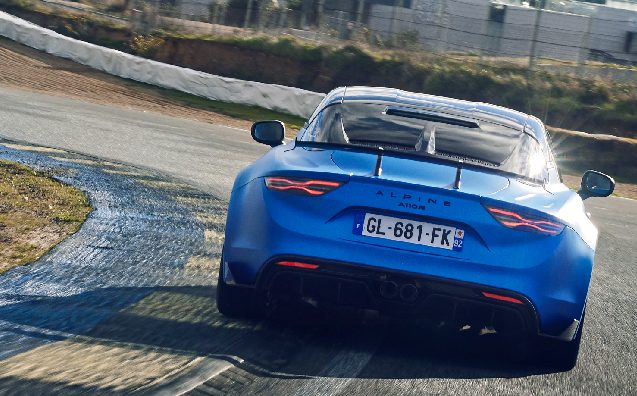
(274,97)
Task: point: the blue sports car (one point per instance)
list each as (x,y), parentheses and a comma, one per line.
(412,204)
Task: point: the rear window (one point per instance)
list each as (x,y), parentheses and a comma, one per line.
(428,133)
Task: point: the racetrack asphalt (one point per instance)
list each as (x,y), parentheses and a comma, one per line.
(320,357)
(204,155)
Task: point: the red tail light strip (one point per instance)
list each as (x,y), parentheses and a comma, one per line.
(304,186)
(297,264)
(517,216)
(502,298)
(515,220)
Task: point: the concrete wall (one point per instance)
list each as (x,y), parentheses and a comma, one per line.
(561,36)
(517,31)
(193,9)
(441,25)
(608,31)
(467,21)
(464,26)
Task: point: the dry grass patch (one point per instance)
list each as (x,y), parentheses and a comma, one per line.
(36,213)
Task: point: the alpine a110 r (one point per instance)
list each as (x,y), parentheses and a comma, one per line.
(411,204)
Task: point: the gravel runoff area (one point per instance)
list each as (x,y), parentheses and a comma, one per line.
(29,69)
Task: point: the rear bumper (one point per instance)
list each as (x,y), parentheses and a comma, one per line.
(335,284)
(554,296)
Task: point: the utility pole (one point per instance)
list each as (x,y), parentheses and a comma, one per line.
(214,11)
(246,23)
(443,20)
(222,15)
(536,29)
(321,9)
(585,48)
(392,36)
(359,13)
(262,15)
(283,14)
(485,36)
(303,14)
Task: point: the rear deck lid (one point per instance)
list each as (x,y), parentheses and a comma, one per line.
(419,172)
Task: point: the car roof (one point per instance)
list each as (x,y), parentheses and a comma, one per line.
(464,108)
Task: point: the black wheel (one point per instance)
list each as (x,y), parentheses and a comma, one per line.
(561,354)
(234,301)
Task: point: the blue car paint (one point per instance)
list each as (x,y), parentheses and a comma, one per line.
(553,272)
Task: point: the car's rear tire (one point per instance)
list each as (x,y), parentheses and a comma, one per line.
(563,354)
(234,301)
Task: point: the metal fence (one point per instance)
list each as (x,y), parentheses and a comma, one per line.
(564,37)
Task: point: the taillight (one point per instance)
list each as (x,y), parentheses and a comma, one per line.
(297,264)
(311,187)
(525,221)
(502,298)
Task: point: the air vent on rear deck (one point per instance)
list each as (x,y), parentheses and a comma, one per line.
(431,117)
(384,145)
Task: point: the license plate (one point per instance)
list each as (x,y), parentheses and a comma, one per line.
(410,231)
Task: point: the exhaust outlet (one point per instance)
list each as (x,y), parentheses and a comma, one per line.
(388,289)
(408,292)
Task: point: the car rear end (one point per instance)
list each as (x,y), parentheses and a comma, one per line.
(326,247)
(445,218)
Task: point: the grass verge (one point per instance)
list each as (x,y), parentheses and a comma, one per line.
(242,112)
(623,190)
(36,213)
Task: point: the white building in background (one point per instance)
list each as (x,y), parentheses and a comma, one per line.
(586,30)
(623,4)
